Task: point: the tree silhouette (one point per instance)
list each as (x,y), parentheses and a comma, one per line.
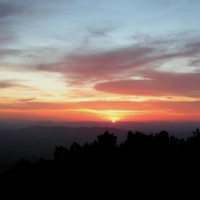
(107,141)
(75,147)
(140,157)
(196,133)
(60,154)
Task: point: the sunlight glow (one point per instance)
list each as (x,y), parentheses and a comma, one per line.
(113,115)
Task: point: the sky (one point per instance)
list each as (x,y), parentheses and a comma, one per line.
(108,60)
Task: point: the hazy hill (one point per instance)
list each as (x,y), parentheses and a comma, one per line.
(39,141)
(27,139)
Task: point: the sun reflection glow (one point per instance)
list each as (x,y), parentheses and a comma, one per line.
(111,115)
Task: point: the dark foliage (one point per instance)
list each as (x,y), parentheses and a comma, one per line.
(140,160)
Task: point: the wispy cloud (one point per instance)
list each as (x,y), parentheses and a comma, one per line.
(11,13)
(109,109)
(13,84)
(9,52)
(8,13)
(8,9)
(90,58)
(82,68)
(100,31)
(8,84)
(158,84)
(27,99)
(103,105)
(123,63)
(195,63)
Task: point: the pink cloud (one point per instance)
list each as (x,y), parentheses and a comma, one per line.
(83,111)
(27,99)
(100,66)
(159,84)
(122,63)
(13,84)
(170,106)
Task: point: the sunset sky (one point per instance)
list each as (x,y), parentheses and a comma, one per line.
(88,60)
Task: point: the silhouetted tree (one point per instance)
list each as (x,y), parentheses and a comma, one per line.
(196,133)
(75,147)
(107,141)
(163,138)
(60,153)
(140,157)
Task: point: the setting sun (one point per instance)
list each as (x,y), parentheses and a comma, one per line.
(99,87)
(108,71)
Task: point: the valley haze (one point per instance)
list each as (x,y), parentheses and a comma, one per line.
(37,139)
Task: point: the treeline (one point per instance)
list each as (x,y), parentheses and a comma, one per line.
(140,156)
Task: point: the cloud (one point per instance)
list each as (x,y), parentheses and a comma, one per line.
(99,66)
(27,99)
(9,52)
(125,62)
(29,105)
(9,9)
(7,37)
(10,13)
(158,84)
(100,31)
(96,36)
(148,107)
(7,84)
(95,110)
(195,62)
(13,84)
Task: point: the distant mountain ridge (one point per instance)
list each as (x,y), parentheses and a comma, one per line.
(39,141)
(32,139)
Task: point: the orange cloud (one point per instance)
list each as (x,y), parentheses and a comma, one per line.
(101,111)
(123,63)
(13,84)
(158,84)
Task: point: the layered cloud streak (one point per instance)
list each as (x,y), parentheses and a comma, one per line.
(62,59)
(137,70)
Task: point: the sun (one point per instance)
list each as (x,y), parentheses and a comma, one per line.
(113,121)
